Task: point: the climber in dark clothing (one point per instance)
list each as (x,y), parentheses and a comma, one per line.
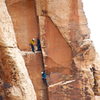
(44,76)
(38,45)
(35,45)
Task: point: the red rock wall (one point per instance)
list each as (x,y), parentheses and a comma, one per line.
(67,52)
(24,18)
(58,53)
(64,22)
(1,81)
(17,84)
(23,14)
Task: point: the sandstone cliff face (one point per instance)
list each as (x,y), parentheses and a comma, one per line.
(25,21)
(16,82)
(68,55)
(68,52)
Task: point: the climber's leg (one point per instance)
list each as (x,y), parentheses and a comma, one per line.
(39,48)
(45,81)
(32,47)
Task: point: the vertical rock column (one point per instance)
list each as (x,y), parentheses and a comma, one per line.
(2,95)
(67,50)
(24,18)
(17,84)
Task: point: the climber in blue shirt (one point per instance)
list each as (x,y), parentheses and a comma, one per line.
(44,76)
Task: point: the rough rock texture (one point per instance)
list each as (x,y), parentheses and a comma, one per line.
(96,73)
(25,21)
(68,55)
(68,52)
(17,84)
(34,64)
(1,81)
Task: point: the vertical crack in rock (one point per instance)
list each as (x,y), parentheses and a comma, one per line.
(69,19)
(96,72)
(68,55)
(26,26)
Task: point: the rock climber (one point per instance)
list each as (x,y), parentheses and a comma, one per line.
(33,45)
(38,45)
(44,76)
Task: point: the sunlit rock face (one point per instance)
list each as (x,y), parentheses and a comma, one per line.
(26,26)
(16,81)
(24,19)
(68,55)
(68,52)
